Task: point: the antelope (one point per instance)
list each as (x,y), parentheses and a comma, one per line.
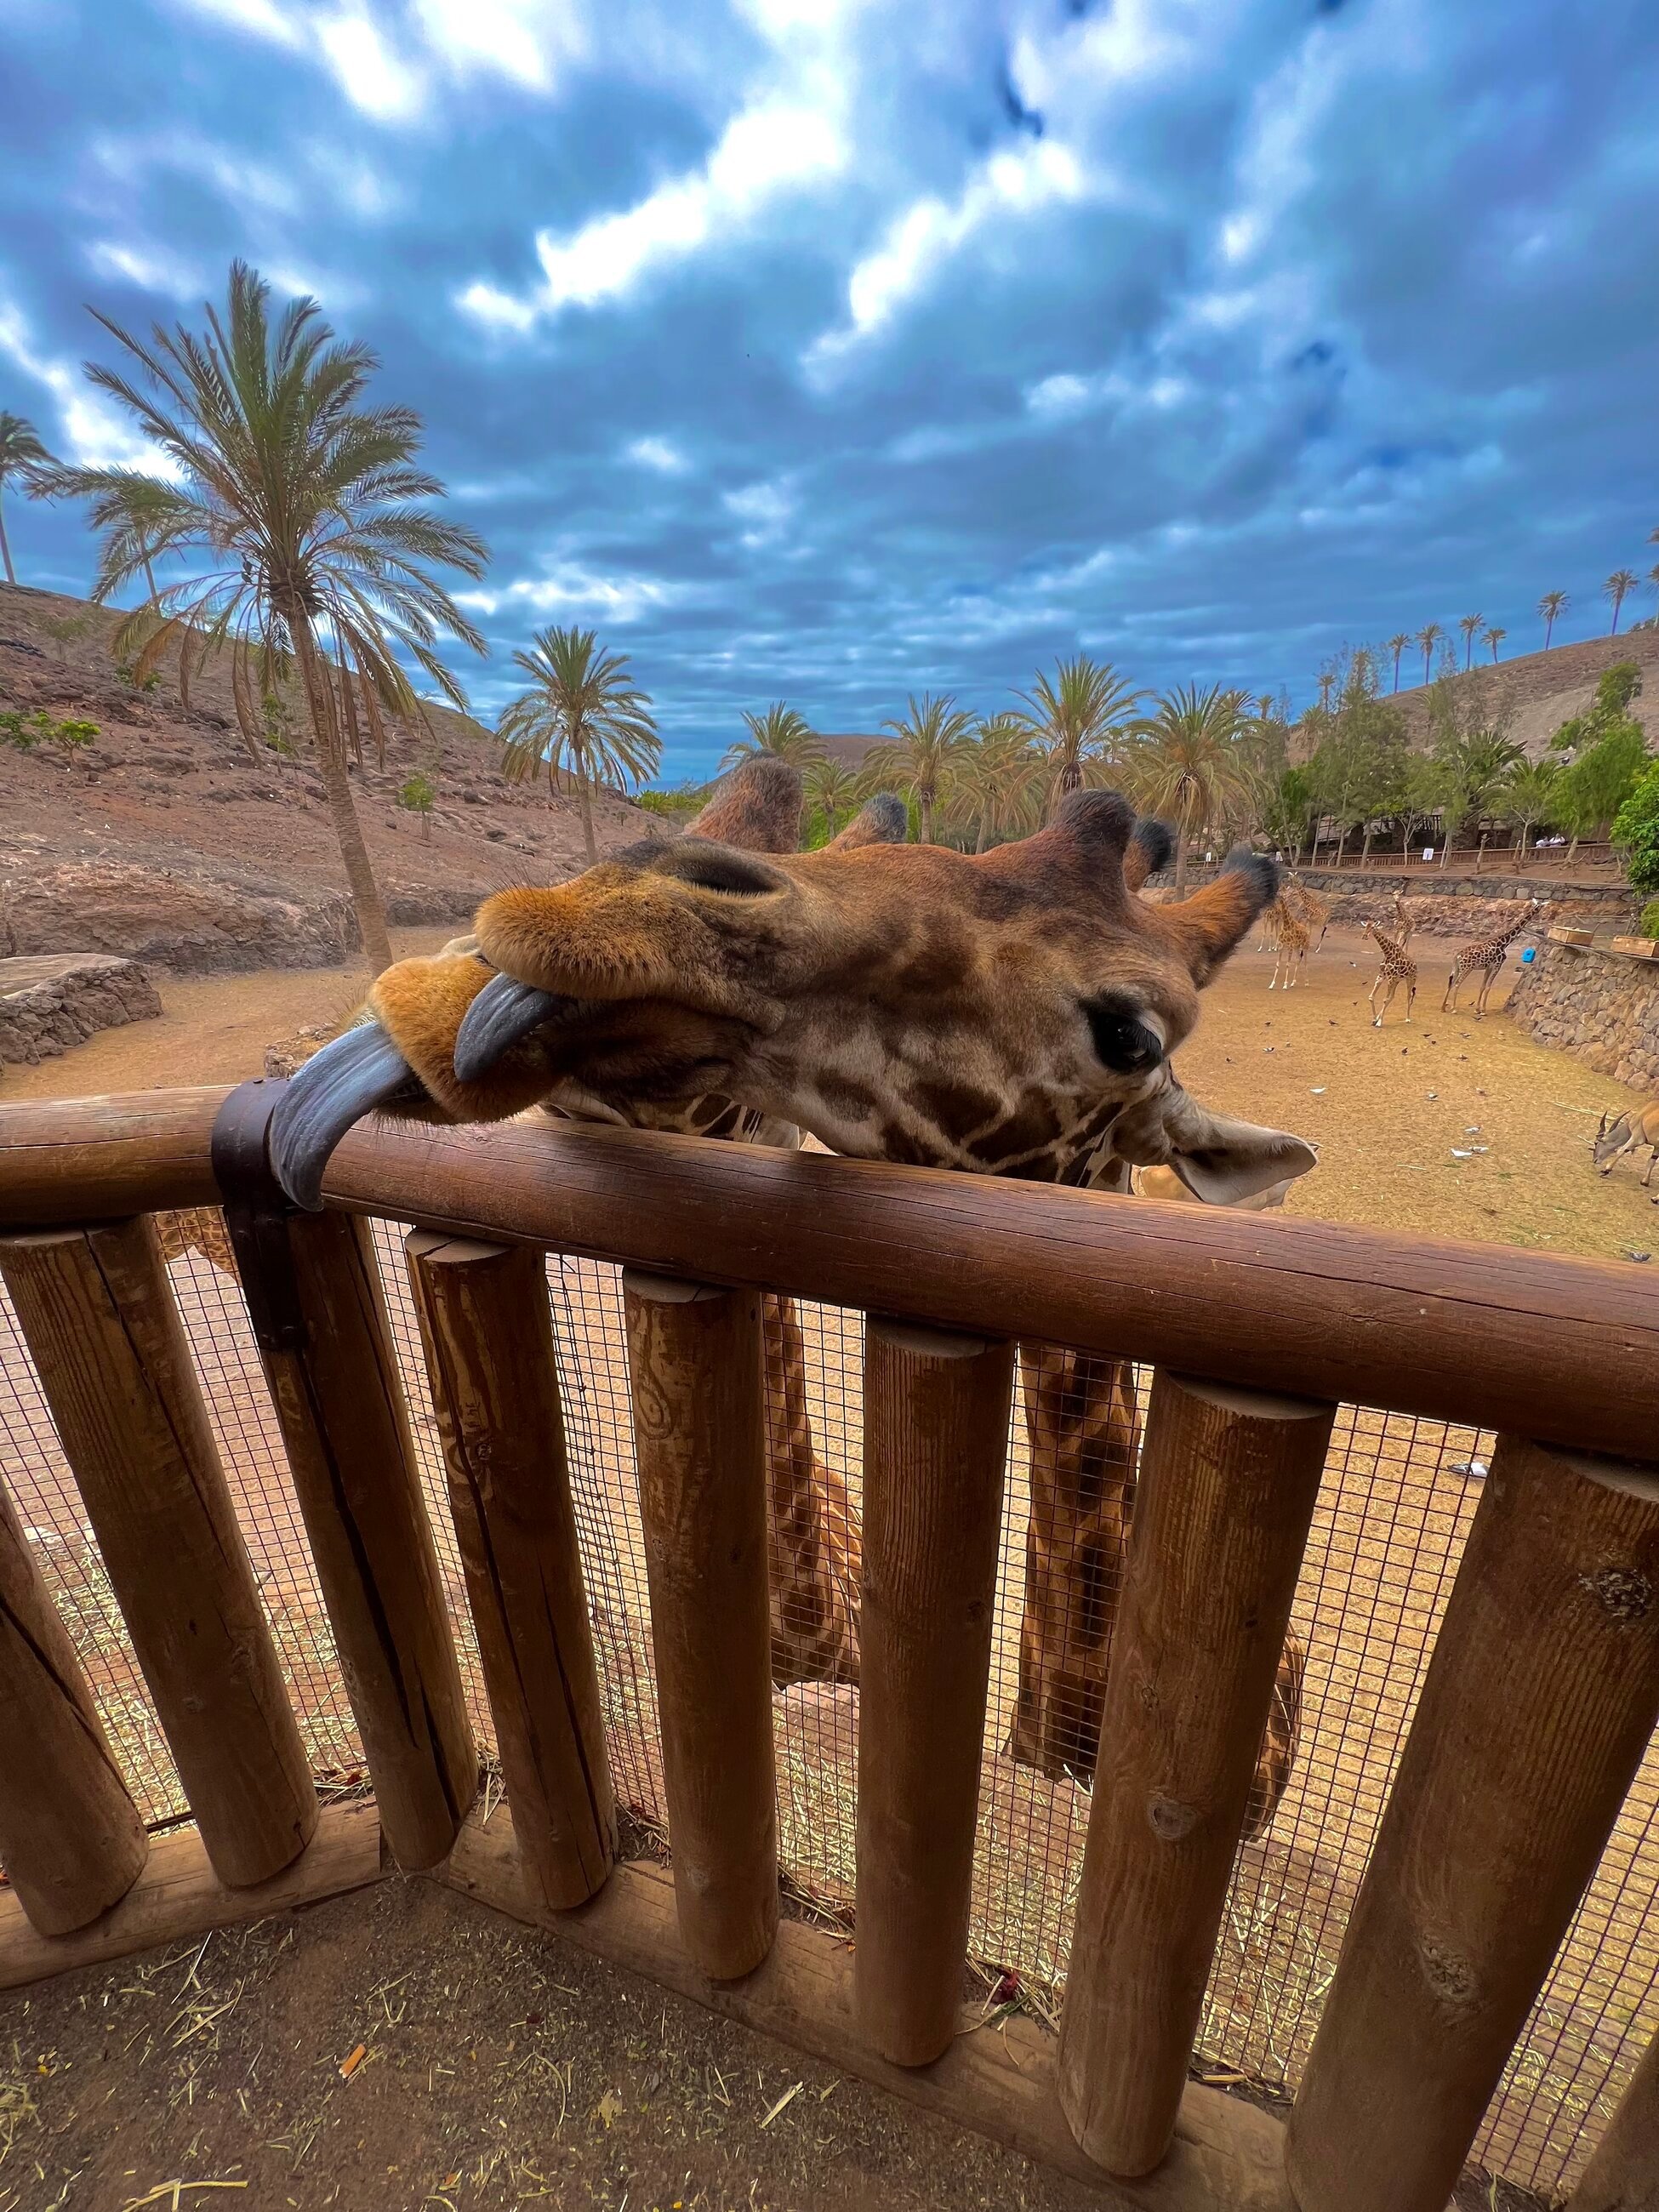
(1627,1134)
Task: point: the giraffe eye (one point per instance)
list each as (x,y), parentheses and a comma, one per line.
(1127,1037)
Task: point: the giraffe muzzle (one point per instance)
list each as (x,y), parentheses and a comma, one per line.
(503,1012)
(334,1089)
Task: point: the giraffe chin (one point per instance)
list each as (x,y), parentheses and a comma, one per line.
(335,1088)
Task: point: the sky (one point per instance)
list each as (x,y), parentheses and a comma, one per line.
(837,352)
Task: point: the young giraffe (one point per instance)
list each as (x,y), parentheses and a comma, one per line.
(1397,968)
(1291,935)
(1008,1013)
(1484,957)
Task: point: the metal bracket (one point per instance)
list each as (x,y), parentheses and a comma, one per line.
(257,1214)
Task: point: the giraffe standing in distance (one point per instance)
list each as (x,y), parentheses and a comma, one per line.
(1484,958)
(1397,965)
(1290,938)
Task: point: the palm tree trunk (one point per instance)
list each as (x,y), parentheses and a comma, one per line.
(366,900)
(586,799)
(1180,862)
(5,551)
(924,808)
(984,831)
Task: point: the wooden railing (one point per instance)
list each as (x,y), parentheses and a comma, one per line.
(1540,1695)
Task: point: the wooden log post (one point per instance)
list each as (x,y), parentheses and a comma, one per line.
(1540,1696)
(935,1441)
(696,1364)
(339,1402)
(97,1313)
(487,1336)
(1228,1483)
(1623,2175)
(70,1837)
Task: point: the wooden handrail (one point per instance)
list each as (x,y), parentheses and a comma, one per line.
(1566,1350)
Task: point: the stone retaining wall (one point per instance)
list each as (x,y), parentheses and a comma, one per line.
(1602,1007)
(51,1002)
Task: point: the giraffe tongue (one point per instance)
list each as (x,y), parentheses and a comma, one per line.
(334,1089)
(503,1012)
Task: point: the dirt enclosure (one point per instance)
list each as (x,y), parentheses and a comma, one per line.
(1445,1126)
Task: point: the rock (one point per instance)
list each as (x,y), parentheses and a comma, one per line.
(1601,1008)
(49,1003)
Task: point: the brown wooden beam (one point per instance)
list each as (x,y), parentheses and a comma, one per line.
(71,1841)
(178,1895)
(935,1436)
(697,1376)
(1540,1698)
(339,1402)
(1227,2155)
(1623,2175)
(1563,1349)
(97,1313)
(488,1335)
(1228,1483)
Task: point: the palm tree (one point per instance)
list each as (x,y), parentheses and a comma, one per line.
(1474,766)
(832,789)
(996,783)
(1469,624)
(297,506)
(1551,605)
(1494,638)
(1653,577)
(22,456)
(781,730)
(1525,795)
(1397,645)
(1187,765)
(1618,588)
(1075,716)
(919,757)
(1427,638)
(584,717)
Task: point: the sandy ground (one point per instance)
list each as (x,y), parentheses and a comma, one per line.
(1393,1513)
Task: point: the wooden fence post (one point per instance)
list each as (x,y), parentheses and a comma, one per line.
(1228,1482)
(97,1313)
(70,1837)
(339,1402)
(1540,1696)
(487,1336)
(935,1441)
(1623,2175)
(695,1363)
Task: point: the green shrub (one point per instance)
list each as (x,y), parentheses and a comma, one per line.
(419,796)
(24,732)
(1637,829)
(1649,925)
(679,805)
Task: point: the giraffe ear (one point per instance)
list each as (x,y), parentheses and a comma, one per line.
(1149,851)
(1207,925)
(1221,1161)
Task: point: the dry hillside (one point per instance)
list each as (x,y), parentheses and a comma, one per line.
(167,841)
(1536,692)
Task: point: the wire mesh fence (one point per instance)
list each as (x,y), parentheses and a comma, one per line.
(1394,1512)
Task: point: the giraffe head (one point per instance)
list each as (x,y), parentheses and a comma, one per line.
(999,1013)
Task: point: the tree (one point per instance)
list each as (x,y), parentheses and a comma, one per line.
(1618,588)
(298,507)
(1494,638)
(1076,717)
(1470,625)
(1596,784)
(1637,829)
(419,796)
(996,783)
(780,731)
(1552,603)
(23,459)
(1358,772)
(1397,645)
(1475,763)
(1188,763)
(920,755)
(832,793)
(1527,795)
(584,716)
(1286,810)
(1427,638)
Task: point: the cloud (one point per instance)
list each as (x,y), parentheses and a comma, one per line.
(370,74)
(150,268)
(91,430)
(763,152)
(659,454)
